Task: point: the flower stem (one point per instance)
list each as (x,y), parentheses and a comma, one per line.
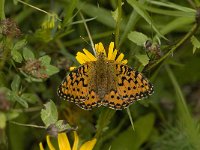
(27,125)
(2,13)
(88,32)
(118,22)
(183,40)
(50,14)
(104,120)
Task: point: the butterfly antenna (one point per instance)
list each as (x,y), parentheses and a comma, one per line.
(88,32)
(85,40)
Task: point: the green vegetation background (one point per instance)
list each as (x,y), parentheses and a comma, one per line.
(38,43)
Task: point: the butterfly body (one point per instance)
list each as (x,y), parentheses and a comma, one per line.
(104,82)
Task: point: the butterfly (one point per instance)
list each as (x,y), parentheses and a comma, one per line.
(104,83)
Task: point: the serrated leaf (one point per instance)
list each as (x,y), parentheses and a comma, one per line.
(50,70)
(19,44)
(15,97)
(28,54)
(137,38)
(62,126)
(49,114)
(16,83)
(195,43)
(30,97)
(45,60)
(143,59)
(3,120)
(16,56)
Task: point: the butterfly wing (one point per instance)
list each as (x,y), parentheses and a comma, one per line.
(76,88)
(130,86)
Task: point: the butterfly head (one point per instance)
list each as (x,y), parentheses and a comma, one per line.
(101,56)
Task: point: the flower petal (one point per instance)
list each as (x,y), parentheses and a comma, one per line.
(81,58)
(125,61)
(63,142)
(49,143)
(89,145)
(100,48)
(76,140)
(41,146)
(72,68)
(120,57)
(114,55)
(110,50)
(89,55)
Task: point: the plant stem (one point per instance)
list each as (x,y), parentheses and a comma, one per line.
(31,109)
(50,14)
(184,39)
(118,22)
(27,125)
(6,51)
(104,120)
(2,13)
(88,32)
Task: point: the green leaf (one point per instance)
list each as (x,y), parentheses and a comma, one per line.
(195,43)
(69,12)
(49,115)
(16,83)
(142,12)
(62,126)
(11,115)
(5,90)
(50,70)
(143,59)
(16,56)
(19,44)
(30,97)
(43,35)
(28,54)
(173,6)
(131,140)
(137,38)
(102,15)
(45,60)
(177,23)
(3,120)
(132,20)
(15,2)
(15,97)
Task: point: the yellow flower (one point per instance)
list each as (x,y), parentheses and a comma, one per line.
(63,143)
(99,48)
(86,56)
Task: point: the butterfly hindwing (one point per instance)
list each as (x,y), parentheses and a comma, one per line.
(75,88)
(130,86)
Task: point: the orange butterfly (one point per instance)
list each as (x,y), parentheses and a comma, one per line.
(104,80)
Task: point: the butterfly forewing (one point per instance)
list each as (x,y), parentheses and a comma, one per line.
(75,88)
